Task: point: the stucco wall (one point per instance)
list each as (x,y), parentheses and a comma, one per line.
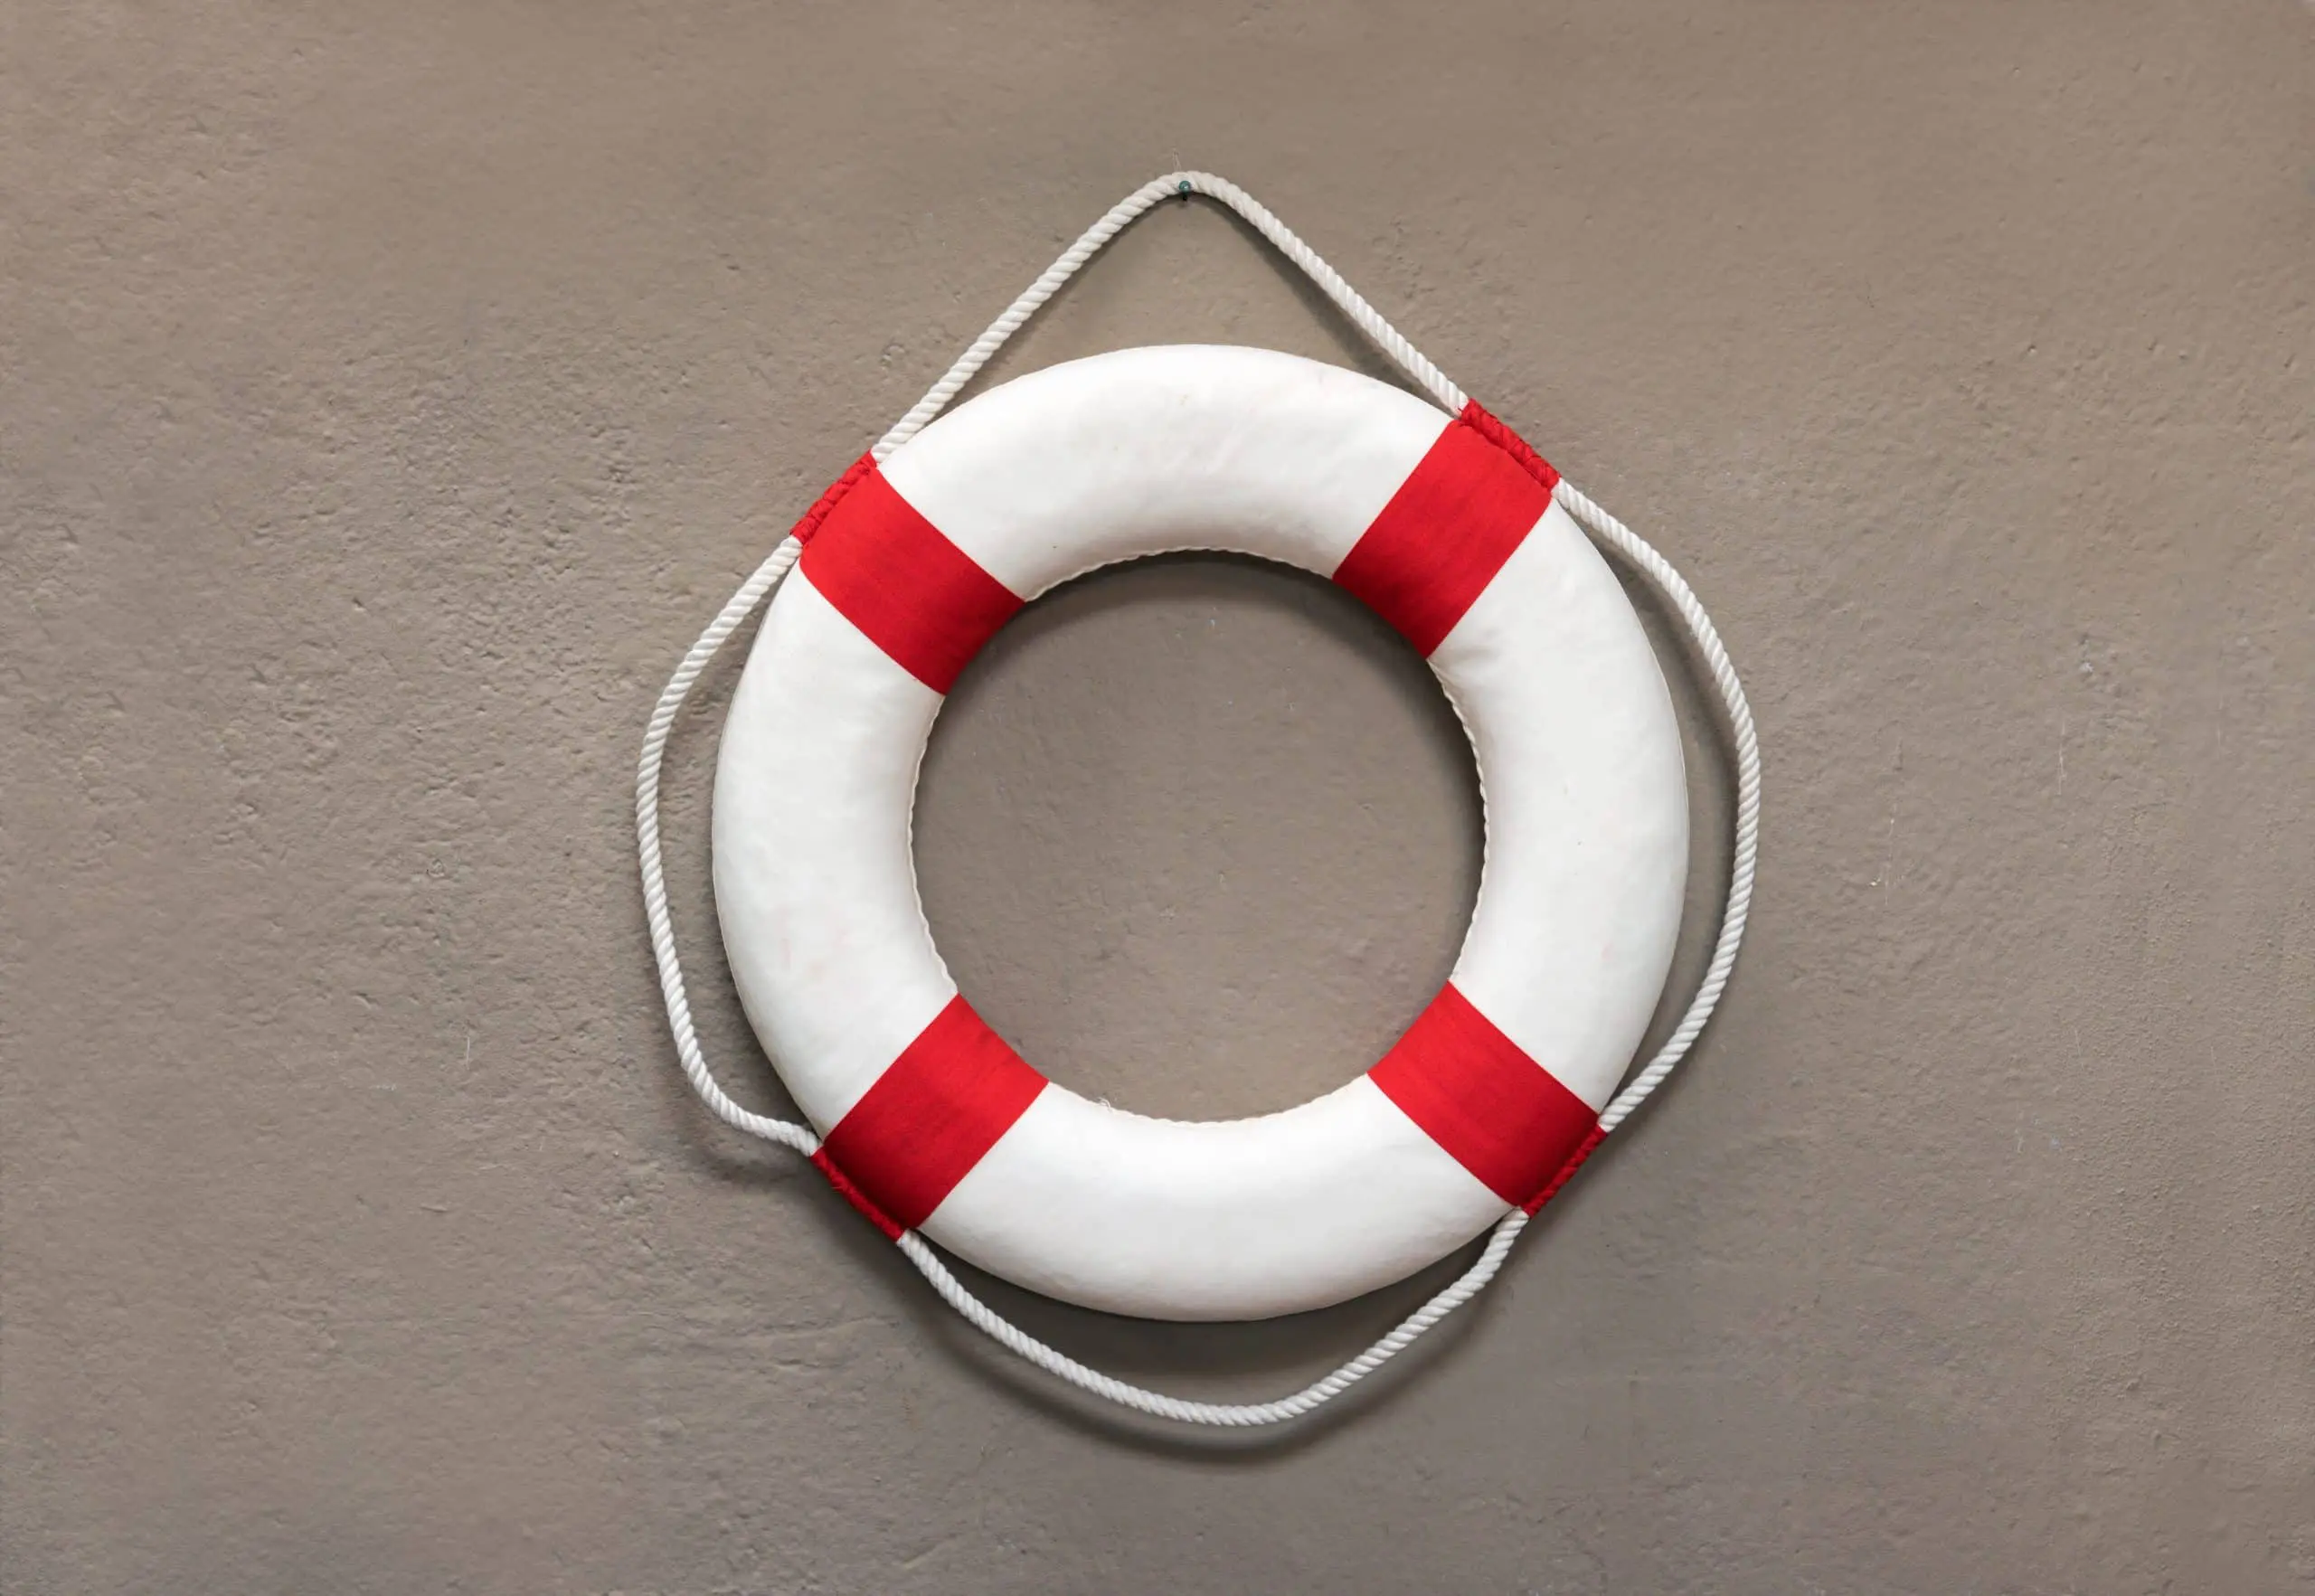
(388,392)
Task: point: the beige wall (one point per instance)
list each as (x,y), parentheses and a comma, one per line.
(388,392)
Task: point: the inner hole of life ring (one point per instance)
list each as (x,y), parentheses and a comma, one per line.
(1199,836)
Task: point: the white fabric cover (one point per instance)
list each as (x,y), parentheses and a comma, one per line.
(1136,453)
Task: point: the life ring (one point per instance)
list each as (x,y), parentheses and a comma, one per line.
(1446,524)
(831,949)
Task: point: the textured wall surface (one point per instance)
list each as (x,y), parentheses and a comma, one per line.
(389,392)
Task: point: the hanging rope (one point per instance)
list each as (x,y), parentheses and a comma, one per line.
(1603,527)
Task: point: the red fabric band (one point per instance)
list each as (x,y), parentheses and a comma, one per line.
(804,529)
(1567,1170)
(1449,529)
(932,1115)
(1484,423)
(916,595)
(855,1196)
(1473,1091)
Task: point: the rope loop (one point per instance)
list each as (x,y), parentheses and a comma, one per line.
(1602,527)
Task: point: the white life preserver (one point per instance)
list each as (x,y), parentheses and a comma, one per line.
(1456,532)
(1447,525)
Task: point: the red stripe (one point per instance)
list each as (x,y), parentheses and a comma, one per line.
(1497,1111)
(1511,443)
(932,1115)
(1566,1171)
(855,1196)
(804,529)
(917,596)
(1447,529)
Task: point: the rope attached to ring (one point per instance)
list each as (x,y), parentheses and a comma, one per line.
(1602,527)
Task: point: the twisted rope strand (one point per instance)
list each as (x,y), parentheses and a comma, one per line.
(1744,856)
(1603,527)
(735,610)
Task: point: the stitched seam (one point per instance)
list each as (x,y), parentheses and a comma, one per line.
(1492,427)
(828,502)
(1566,1170)
(853,1195)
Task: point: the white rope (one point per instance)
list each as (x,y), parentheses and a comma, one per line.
(1602,526)
(1405,355)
